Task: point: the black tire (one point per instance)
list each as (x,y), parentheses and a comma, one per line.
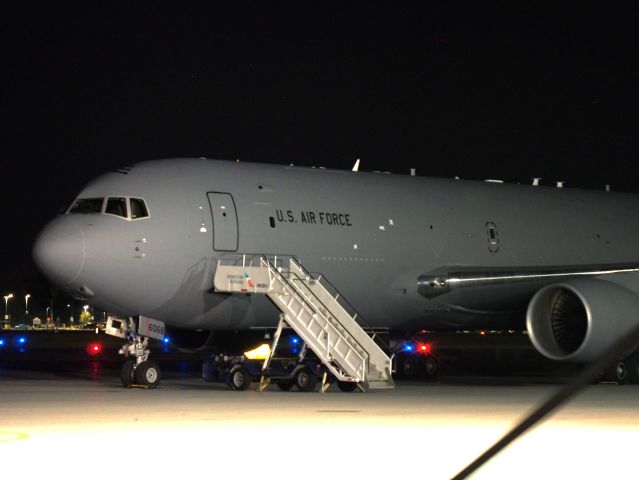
(126,373)
(239,378)
(407,367)
(148,374)
(305,381)
(633,369)
(285,385)
(430,367)
(347,386)
(617,372)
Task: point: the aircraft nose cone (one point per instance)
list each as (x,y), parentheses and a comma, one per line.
(59,251)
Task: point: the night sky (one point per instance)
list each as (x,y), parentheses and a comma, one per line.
(510,90)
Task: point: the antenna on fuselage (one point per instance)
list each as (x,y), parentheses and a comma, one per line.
(356,166)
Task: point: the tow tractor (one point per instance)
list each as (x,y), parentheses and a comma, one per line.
(238,372)
(302,371)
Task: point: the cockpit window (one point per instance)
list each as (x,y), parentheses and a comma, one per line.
(87,205)
(116,206)
(138,208)
(129,208)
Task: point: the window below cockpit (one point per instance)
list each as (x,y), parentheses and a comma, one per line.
(116,206)
(87,205)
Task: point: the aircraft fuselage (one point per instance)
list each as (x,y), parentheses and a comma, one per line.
(405,251)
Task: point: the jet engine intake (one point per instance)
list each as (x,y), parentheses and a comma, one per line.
(578,319)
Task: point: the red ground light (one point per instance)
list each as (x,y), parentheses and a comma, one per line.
(94,349)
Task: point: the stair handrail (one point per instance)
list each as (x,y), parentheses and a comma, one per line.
(365,358)
(317,276)
(297,288)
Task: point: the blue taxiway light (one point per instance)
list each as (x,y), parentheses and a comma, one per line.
(295,340)
(22,340)
(166,340)
(1,342)
(408,348)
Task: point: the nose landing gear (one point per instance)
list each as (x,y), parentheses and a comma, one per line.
(138,370)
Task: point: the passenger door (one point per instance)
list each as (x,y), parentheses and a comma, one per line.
(225,229)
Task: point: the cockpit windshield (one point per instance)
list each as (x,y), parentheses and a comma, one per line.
(87,205)
(116,206)
(128,208)
(138,208)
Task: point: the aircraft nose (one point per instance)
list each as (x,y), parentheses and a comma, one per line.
(59,251)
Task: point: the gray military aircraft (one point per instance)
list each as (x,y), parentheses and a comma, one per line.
(407,252)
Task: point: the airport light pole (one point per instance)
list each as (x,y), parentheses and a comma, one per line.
(70,314)
(86,313)
(6,306)
(26,304)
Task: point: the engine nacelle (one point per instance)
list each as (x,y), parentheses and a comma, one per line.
(578,319)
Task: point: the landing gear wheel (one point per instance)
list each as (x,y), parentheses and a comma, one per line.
(347,386)
(407,367)
(126,374)
(618,372)
(239,378)
(633,369)
(148,374)
(305,381)
(431,367)
(285,385)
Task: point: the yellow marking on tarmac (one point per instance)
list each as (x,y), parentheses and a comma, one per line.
(6,437)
